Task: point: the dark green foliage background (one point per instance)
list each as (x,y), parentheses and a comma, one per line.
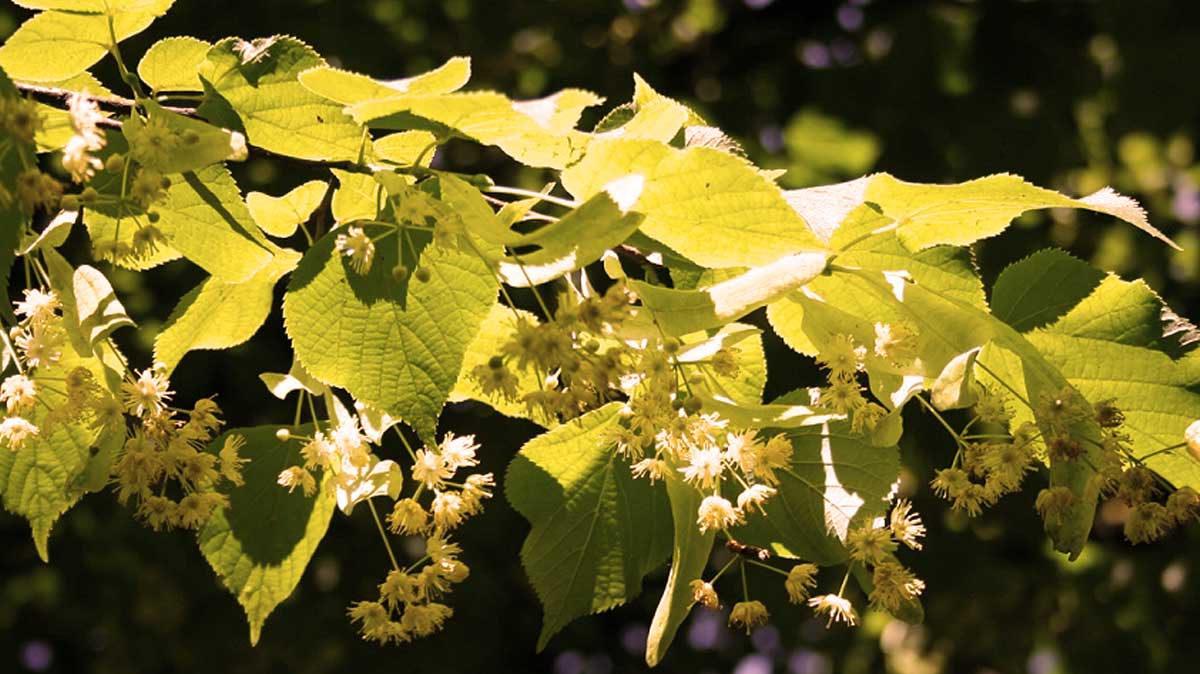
(1069,94)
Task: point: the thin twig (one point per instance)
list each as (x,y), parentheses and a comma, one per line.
(116,103)
(121,104)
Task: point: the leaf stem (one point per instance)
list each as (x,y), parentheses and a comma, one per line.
(383,534)
(516,191)
(940,418)
(755,562)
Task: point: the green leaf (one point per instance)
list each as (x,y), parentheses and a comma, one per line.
(596,530)
(202,217)
(53,235)
(836,480)
(948,270)
(76,41)
(97,306)
(157,7)
(745,341)
(254,85)
(220,315)
(347,88)
(358,197)
(280,216)
(954,387)
(683,311)
(928,215)
(205,219)
(406,147)
(578,239)
(709,206)
(199,143)
(658,120)
(42,480)
(1037,290)
(1125,312)
(394,345)
(645,96)
(261,544)
(1103,354)
(499,326)
(171,64)
(535,133)
(690,550)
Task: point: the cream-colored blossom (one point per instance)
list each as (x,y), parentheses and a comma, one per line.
(906,524)
(77,158)
(753,497)
(319,452)
(704,594)
(40,345)
(425,619)
(430,469)
(408,517)
(837,608)
(356,245)
(458,452)
(18,393)
(448,509)
(38,306)
(350,443)
(749,615)
(800,579)
(148,394)
(716,512)
(296,476)
(15,431)
(704,467)
(655,469)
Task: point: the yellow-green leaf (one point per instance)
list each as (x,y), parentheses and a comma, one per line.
(171,64)
(710,206)
(280,216)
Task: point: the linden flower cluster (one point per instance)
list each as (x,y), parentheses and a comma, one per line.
(409,603)
(701,449)
(874,547)
(844,358)
(343,452)
(36,343)
(1115,471)
(410,209)
(77,157)
(20,121)
(143,188)
(661,431)
(984,471)
(576,356)
(168,446)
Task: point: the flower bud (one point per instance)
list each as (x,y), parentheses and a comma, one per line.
(115,163)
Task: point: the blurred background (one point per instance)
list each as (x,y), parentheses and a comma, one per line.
(1073,95)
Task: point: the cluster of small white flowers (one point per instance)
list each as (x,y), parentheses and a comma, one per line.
(37,342)
(356,245)
(704,453)
(147,395)
(409,604)
(77,155)
(432,470)
(343,451)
